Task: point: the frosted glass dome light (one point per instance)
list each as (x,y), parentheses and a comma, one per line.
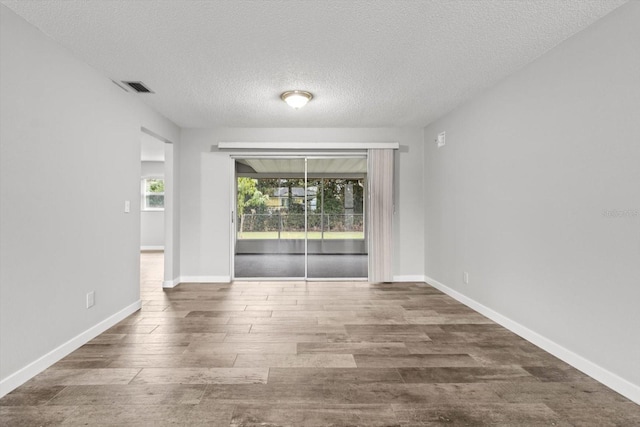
(296,98)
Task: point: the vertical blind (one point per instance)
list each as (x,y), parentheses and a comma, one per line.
(380,177)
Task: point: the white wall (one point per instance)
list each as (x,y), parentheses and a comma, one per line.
(206,181)
(172,215)
(518,198)
(70,157)
(152,222)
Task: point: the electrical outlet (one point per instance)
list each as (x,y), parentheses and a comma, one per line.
(127,206)
(465,277)
(440,140)
(91,299)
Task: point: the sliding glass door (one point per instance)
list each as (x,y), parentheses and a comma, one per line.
(300,218)
(270,218)
(336,227)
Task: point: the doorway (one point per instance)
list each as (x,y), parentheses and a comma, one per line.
(300,218)
(156,201)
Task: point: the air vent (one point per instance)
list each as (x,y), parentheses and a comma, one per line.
(138,87)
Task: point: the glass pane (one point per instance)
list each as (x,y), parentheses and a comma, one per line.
(336,206)
(154,201)
(270,220)
(154,186)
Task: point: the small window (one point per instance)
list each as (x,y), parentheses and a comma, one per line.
(153,194)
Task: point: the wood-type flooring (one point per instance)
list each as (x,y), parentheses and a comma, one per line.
(310,354)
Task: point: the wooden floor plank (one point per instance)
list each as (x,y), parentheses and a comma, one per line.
(309,354)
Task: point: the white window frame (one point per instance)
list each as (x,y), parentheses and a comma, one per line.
(144,194)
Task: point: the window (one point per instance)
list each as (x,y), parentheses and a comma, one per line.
(153,194)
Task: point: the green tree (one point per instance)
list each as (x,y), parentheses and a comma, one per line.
(333,190)
(249,197)
(267,185)
(155,185)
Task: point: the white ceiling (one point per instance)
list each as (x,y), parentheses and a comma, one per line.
(314,166)
(368,63)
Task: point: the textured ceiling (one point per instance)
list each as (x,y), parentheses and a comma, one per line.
(368,63)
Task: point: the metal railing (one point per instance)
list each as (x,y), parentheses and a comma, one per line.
(293,222)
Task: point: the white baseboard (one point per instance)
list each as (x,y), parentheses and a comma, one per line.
(152,248)
(205,279)
(167,284)
(32,369)
(611,380)
(410,278)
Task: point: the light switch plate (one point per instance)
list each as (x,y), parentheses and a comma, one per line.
(127,206)
(91,299)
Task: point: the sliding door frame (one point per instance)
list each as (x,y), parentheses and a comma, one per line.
(306,155)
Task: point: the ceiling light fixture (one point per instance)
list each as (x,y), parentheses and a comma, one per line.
(296,98)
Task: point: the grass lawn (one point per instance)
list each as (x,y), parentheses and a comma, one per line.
(312,235)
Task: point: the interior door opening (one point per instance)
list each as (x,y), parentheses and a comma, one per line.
(300,218)
(156,202)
